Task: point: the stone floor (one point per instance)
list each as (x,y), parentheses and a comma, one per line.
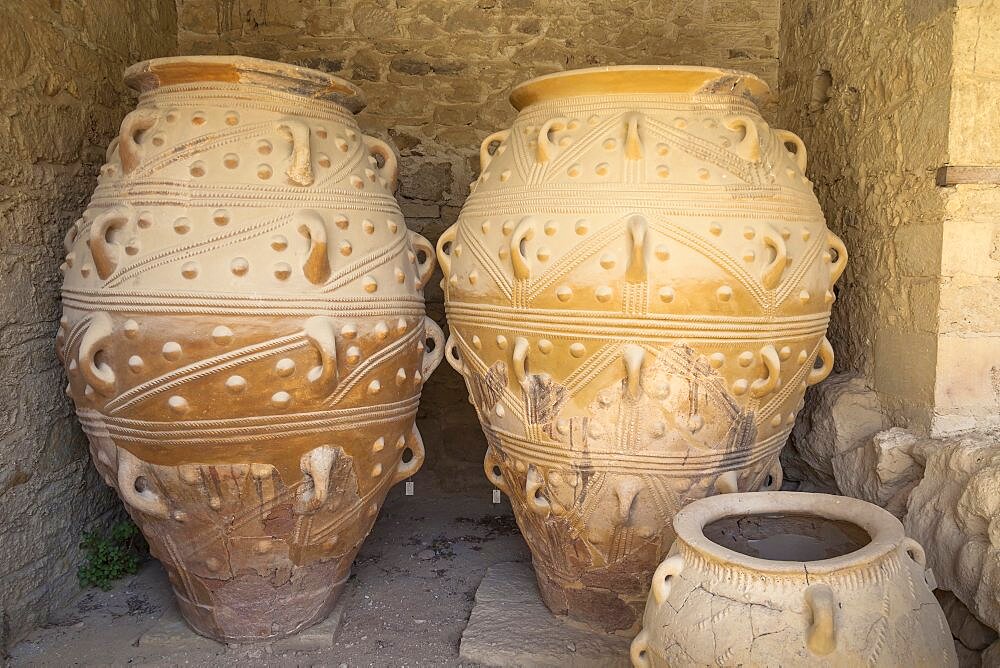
(407,603)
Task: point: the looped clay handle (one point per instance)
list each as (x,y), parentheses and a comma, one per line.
(107,254)
(452,353)
(490,463)
(100,376)
(638,651)
(825,356)
(432,358)
(663,577)
(425,268)
(485,155)
(444,246)
(390,163)
(821,636)
(416,445)
(129,151)
(533,492)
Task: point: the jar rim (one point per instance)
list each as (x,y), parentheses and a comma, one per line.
(638,79)
(151,74)
(884,529)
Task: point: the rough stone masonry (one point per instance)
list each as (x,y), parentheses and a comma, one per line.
(63,99)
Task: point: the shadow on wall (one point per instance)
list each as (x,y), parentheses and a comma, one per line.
(437,74)
(63,99)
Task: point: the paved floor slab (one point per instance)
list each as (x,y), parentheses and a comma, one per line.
(510,626)
(171,631)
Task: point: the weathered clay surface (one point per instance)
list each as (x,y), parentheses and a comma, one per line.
(244,335)
(62,99)
(955,512)
(510,626)
(867,606)
(840,415)
(638,291)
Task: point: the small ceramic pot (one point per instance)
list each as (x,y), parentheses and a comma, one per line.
(789,579)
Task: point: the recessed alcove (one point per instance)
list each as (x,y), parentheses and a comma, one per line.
(894,102)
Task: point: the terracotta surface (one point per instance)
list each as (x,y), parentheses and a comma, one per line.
(245,337)
(638,290)
(734,590)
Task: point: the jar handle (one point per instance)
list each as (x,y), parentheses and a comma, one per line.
(748,147)
(771,275)
(821,636)
(637,232)
(451,353)
(416,445)
(826,356)
(485,155)
(520,359)
(772,363)
(546,149)
(129,151)
(432,358)
(727,483)
(777,475)
(533,492)
(444,244)
(489,464)
(663,577)
(100,376)
(524,230)
(787,137)
(425,268)
(390,163)
(914,551)
(316,266)
(837,268)
(316,466)
(633,356)
(107,254)
(299,169)
(638,651)
(321,333)
(132,486)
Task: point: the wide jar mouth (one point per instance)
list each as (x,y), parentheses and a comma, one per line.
(640,79)
(787,536)
(292,79)
(780,532)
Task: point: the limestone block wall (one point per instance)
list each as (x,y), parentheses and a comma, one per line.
(967,380)
(867,86)
(437,74)
(884,94)
(62,99)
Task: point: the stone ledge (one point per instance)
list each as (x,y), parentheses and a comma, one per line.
(172,631)
(510,626)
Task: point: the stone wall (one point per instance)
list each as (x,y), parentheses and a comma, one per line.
(967,382)
(437,74)
(867,86)
(62,99)
(884,94)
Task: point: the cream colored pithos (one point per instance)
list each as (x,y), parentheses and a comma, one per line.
(244,335)
(710,605)
(638,290)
